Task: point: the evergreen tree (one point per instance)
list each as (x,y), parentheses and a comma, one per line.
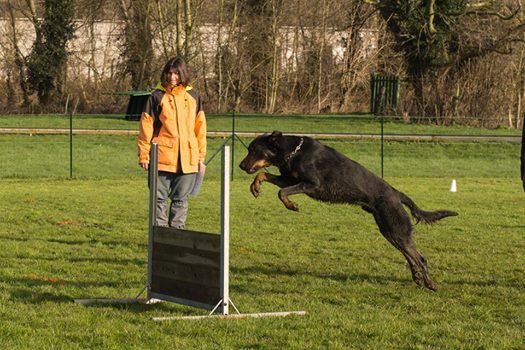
(46,63)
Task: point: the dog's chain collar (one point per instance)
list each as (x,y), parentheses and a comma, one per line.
(295,150)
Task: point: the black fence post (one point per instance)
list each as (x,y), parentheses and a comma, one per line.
(71,145)
(233,144)
(382,144)
(523,152)
(384,97)
(372,94)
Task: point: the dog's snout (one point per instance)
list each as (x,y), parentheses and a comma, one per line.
(248,165)
(242,164)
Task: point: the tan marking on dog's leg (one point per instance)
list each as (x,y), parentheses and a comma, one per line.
(255,187)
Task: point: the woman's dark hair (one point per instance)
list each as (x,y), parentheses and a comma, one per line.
(178,64)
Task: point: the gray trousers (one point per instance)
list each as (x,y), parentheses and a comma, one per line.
(177,187)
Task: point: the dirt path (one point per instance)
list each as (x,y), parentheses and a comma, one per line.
(389,137)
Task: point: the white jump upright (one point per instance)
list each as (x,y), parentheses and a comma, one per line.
(189,267)
(152,184)
(225,230)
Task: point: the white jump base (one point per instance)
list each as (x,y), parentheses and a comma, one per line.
(233,316)
(117,301)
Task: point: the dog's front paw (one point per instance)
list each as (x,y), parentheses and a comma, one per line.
(255,188)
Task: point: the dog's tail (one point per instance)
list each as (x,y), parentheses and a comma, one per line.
(428,217)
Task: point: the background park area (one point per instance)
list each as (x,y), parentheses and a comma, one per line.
(74,202)
(65,237)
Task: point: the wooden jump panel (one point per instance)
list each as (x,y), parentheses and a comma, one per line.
(185,290)
(186,265)
(187,239)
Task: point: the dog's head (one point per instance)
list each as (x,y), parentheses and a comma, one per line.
(261,152)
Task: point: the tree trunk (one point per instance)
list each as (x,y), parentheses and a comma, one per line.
(162,27)
(431,14)
(145,57)
(33,18)
(179,27)
(258,46)
(321,55)
(219,57)
(188,30)
(276,61)
(19,59)
(138,48)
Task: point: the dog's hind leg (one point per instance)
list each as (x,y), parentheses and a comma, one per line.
(408,248)
(394,223)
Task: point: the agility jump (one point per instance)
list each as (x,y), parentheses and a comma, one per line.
(189,267)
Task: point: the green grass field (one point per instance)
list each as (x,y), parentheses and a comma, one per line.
(87,237)
(112,156)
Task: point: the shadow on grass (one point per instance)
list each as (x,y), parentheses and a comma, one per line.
(29,292)
(138,307)
(29,295)
(339,277)
(39,281)
(369,278)
(87,241)
(520,227)
(110,261)
(484,284)
(32,297)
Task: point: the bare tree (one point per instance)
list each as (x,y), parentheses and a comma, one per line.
(276,11)
(137,47)
(180,22)
(19,59)
(322,44)
(188,28)
(162,28)
(361,46)
(219,68)
(255,18)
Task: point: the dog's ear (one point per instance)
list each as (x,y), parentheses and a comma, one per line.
(274,140)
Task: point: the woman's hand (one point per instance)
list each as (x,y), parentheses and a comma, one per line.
(202,166)
(144,165)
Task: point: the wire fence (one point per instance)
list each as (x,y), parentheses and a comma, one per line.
(364,125)
(98,147)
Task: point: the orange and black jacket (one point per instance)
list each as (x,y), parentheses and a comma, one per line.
(174,119)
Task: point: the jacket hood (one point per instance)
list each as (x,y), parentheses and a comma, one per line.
(161,87)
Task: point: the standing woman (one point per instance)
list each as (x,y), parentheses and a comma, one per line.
(174,119)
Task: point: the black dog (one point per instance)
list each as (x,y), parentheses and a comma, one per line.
(322,173)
